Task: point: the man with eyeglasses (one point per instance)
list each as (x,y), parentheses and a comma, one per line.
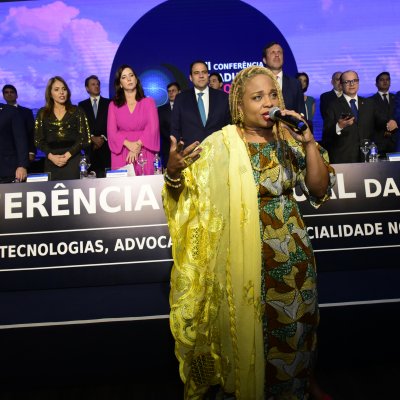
(349,119)
(327,97)
(385,133)
(201,110)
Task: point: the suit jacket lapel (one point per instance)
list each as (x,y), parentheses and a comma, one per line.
(211,107)
(90,107)
(102,105)
(344,103)
(361,105)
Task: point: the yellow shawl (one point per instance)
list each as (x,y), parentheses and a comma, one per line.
(215,299)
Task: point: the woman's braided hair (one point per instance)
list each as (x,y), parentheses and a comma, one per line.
(236,97)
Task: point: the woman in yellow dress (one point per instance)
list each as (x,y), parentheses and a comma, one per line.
(243,298)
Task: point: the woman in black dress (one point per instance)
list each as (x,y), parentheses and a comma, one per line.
(61,131)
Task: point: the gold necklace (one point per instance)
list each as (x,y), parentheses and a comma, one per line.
(249,154)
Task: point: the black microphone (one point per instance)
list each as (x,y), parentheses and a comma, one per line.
(293,122)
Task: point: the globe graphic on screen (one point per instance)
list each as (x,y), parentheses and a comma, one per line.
(154,83)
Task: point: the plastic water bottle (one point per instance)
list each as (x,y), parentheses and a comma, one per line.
(373,154)
(83,166)
(157,165)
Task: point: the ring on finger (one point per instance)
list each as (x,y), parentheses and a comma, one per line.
(188,160)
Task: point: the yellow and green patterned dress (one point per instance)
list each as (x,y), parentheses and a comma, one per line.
(288,274)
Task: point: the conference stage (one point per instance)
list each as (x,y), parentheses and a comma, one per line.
(84,270)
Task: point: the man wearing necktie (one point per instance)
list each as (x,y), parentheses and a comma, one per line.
(291,90)
(164,117)
(386,130)
(201,110)
(96,110)
(349,119)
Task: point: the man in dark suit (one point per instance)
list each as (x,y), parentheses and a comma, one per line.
(396,115)
(386,129)
(164,117)
(10,95)
(291,89)
(327,97)
(96,110)
(194,119)
(349,119)
(14,145)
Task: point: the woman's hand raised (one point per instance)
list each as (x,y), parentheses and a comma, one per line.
(180,158)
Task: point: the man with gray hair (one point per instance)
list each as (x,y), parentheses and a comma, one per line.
(327,97)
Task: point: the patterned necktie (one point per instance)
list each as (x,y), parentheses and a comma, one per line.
(202,110)
(95,107)
(354,109)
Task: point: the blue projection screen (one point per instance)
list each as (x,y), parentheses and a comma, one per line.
(77,38)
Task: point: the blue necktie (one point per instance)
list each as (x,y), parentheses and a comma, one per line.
(354,109)
(202,110)
(95,107)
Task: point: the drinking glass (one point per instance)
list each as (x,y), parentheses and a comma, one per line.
(142,160)
(365,147)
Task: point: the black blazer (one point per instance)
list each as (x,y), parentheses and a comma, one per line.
(164,117)
(345,148)
(100,159)
(29,122)
(324,101)
(14,142)
(384,113)
(292,94)
(98,125)
(186,121)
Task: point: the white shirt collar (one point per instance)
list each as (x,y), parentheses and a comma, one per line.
(338,92)
(382,93)
(348,98)
(205,91)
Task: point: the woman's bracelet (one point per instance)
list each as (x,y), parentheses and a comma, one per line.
(172,180)
(172,185)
